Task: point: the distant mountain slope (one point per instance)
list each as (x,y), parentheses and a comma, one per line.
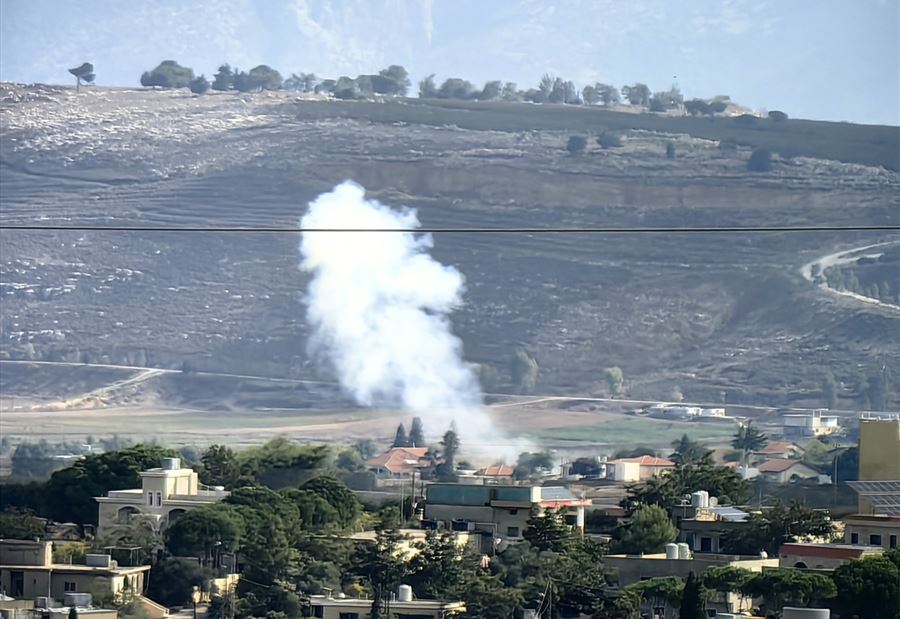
(777,55)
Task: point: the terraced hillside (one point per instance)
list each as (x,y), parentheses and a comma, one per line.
(712,314)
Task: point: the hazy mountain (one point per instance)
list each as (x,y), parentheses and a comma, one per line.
(811,58)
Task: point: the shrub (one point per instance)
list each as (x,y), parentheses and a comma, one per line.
(760,160)
(746,120)
(199,85)
(728,144)
(778,116)
(169,74)
(609,140)
(576,144)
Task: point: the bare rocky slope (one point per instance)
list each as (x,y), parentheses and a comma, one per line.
(707,313)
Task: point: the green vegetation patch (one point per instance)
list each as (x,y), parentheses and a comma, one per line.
(636,431)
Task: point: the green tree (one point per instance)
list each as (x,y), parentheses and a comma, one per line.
(760,160)
(609,94)
(339,496)
(780,524)
(427,88)
(16,523)
(455,88)
(438,567)
(524,370)
(748,439)
(199,85)
(590,95)
(615,380)
(83,73)
(400,437)
(783,587)
(608,139)
(662,592)
(417,433)
(726,579)
(638,94)
(576,144)
(261,77)
(487,597)
(73,612)
(381,563)
(224,78)
(649,530)
(172,580)
(203,532)
(168,74)
(220,466)
(689,451)
(510,92)
(667,489)
(778,116)
(869,587)
(395,81)
(693,602)
(70,492)
(547,530)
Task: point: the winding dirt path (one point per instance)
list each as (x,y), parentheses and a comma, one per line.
(843,257)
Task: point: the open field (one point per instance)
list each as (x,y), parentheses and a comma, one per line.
(717,316)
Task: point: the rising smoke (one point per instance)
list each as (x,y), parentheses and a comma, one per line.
(378,306)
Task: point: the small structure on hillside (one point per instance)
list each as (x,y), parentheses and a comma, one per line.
(637,469)
(399,462)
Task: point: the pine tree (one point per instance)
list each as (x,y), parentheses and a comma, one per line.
(400,439)
(417,433)
(692,604)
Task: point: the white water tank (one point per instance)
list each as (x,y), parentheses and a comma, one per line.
(805,613)
(171,464)
(700,498)
(405,594)
(684,551)
(671,551)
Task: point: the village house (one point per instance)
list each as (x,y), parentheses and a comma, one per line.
(499,513)
(27,571)
(703,524)
(402,606)
(810,425)
(822,556)
(165,493)
(637,469)
(781,471)
(399,462)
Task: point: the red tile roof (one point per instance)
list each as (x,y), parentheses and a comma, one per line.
(498,470)
(777,447)
(399,459)
(645,461)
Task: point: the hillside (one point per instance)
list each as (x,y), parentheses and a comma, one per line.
(707,314)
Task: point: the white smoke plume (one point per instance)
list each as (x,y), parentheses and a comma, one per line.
(378,305)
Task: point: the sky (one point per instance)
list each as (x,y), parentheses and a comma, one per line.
(822,59)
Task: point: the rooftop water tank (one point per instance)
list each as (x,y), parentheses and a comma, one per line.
(671,551)
(171,464)
(700,498)
(405,594)
(80,600)
(97,560)
(684,551)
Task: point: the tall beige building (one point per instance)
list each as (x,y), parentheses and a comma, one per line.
(879,453)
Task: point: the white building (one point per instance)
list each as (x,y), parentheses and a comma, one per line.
(813,424)
(165,493)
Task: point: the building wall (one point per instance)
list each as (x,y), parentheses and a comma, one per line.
(879,453)
(24,552)
(859,531)
(40,582)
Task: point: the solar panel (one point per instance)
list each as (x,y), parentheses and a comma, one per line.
(883,495)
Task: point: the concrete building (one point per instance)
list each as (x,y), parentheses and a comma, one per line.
(637,469)
(402,606)
(781,471)
(810,425)
(635,568)
(499,513)
(779,449)
(873,530)
(879,454)
(703,524)
(27,571)
(165,493)
(823,556)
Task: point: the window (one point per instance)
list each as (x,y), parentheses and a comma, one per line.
(854,538)
(893,541)
(17,584)
(512,531)
(705,544)
(349,616)
(874,540)
(149,498)
(158,498)
(69,587)
(513,512)
(318,611)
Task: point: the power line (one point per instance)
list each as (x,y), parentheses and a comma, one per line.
(455,230)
